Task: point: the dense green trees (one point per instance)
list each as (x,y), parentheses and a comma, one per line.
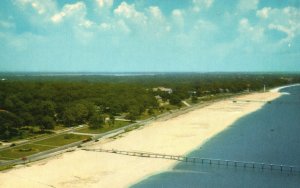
(45,101)
(175,100)
(9,124)
(78,113)
(46,122)
(45,104)
(96,121)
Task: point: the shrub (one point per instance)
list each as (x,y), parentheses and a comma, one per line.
(13,144)
(25,149)
(69,136)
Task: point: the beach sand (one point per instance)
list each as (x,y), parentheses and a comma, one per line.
(177,136)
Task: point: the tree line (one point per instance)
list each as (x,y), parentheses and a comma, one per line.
(48,101)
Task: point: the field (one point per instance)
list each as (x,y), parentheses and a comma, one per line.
(39,146)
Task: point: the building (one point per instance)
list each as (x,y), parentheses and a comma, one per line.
(168,90)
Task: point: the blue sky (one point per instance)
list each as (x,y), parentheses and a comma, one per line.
(149,35)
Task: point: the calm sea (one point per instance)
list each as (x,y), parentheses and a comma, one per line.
(269,135)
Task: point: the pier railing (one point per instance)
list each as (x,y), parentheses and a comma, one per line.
(197,160)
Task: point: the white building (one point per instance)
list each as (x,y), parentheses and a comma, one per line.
(168,90)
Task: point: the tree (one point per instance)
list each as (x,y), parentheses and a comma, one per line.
(9,125)
(69,117)
(150,111)
(95,121)
(81,112)
(46,122)
(47,108)
(134,113)
(194,99)
(28,118)
(14,104)
(131,116)
(112,119)
(77,113)
(175,100)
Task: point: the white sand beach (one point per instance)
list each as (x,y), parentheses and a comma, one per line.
(277,89)
(176,136)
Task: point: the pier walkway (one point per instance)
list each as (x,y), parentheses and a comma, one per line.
(196,160)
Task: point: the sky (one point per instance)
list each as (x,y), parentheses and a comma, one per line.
(149,35)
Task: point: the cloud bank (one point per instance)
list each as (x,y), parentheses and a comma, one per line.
(107,35)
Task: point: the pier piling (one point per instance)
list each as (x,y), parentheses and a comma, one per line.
(236,164)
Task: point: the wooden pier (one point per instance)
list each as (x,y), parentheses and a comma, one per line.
(208,161)
(264,102)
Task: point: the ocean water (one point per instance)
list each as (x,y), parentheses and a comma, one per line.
(270,135)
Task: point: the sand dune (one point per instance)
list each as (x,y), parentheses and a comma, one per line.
(177,136)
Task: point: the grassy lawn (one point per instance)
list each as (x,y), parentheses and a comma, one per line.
(189,100)
(39,146)
(5,167)
(146,115)
(170,107)
(105,128)
(61,140)
(59,127)
(216,96)
(22,151)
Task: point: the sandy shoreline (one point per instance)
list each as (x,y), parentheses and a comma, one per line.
(176,136)
(277,89)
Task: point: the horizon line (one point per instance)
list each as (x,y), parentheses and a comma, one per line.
(149,72)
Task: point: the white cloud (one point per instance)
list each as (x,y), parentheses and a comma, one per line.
(247,5)
(281,28)
(127,11)
(121,25)
(57,18)
(158,24)
(37,12)
(156,13)
(72,17)
(177,13)
(133,19)
(70,10)
(287,30)
(103,9)
(7,24)
(244,22)
(178,18)
(285,20)
(249,32)
(75,13)
(200,4)
(40,9)
(43,9)
(113,28)
(263,13)
(151,21)
(86,23)
(105,26)
(104,3)
(205,26)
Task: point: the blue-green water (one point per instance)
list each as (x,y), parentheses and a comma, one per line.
(269,135)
